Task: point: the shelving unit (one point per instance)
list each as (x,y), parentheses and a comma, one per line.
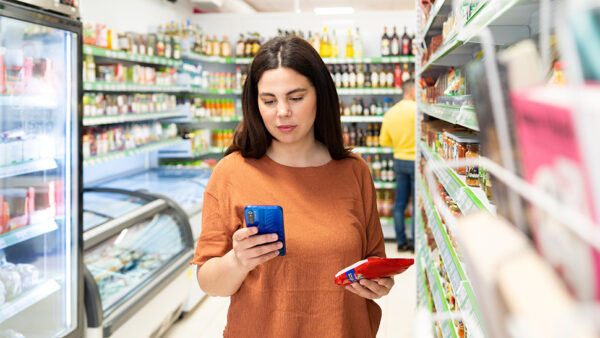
(113,119)
(369,91)
(359,119)
(28,167)
(129,87)
(27,299)
(28,232)
(125,56)
(332,61)
(463,116)
(131,152)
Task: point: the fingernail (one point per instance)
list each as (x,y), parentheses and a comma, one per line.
(280,245)
(274,237)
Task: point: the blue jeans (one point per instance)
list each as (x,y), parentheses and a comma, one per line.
(405,186)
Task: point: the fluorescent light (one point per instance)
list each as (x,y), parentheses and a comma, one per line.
(334,10)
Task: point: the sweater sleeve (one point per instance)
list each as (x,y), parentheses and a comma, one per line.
(385,139)
(375,242)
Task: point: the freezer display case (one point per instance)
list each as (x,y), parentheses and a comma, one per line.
(40,252)
(136,246)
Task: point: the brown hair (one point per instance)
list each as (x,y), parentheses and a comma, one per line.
(251,137)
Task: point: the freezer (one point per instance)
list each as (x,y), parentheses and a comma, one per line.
(41,283)
(137,247)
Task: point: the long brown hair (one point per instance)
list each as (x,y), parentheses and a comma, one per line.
(251,137)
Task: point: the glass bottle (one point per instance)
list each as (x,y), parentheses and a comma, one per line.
(360,77)
(349,45)
(358,49)
(472,170)
(395,44)
(385,43)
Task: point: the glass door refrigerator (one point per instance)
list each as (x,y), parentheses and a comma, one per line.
(40,176)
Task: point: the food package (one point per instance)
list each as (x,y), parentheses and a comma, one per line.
(12,282)
(372,268)
(30,275)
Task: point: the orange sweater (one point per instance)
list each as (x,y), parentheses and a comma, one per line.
(330,220)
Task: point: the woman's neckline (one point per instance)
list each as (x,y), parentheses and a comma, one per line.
(298,168)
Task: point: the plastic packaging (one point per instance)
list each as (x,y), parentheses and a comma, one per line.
(372,268)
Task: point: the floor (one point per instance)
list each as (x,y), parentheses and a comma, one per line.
(208,319)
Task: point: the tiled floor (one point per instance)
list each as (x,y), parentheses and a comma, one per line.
(209,318)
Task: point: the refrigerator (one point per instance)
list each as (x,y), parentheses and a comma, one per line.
(137,248)
(41,283)
(186,188)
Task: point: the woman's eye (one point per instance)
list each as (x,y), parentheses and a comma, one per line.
(296,98)
(268,103)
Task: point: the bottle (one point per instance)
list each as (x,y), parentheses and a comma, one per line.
(373,107)
(368,83)
(390,77)
(405,74)
(382,77)
(395,44)
(377,168)
(349,45)
(473,170)
(353,107)
(238,77)
(370,135)
(391,175)
(360,77)
(379,200)
(248,46)
(335,52)
(346,136)
(347,110)
(386,104)
(225,47)
(385,43)
(358,50)
(352,77)
(325,45)
(255,44)
(345,77)
(376,134)
(330,69)
(316,42)
(366,111)
(360,138)
(397,76)
(369,161)
(405,43)
(374,78)
(216,48)
(240,46)
(353,135)
(338,76)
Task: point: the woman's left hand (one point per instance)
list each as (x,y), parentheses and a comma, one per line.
(371,289)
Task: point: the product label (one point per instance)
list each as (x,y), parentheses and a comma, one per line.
(351,276)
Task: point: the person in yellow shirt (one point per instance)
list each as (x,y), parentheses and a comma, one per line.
(398,131)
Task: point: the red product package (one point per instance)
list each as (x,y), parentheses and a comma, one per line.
(372,268)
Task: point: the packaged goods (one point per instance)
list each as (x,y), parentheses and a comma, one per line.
(372,268)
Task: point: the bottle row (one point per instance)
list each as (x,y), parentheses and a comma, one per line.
(119,73)
(373,76)
(202,108)
(355,136)
(385,202)
(152,44)
(202,139)
(102,140)
(359,107)
(108,105)
(396,45)
(26,205)
(214,80)
(381,167)
(16,146)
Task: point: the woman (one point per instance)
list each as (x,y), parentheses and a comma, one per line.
(288,151)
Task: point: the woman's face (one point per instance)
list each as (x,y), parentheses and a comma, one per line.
(288,105)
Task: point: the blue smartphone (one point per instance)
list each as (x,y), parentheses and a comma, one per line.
(268,219)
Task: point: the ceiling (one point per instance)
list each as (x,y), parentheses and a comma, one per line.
(309,5)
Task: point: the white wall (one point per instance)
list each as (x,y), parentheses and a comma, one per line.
(370,24)
(134,15)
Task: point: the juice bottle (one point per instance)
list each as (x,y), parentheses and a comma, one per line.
(472,170)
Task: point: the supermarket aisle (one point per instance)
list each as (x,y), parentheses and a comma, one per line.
(208,319)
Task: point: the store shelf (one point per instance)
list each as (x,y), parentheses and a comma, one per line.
(439,297)
(436,11)
(122,55)
(29,101)
(27,299)
(439,54)
(101,120)
(467,198)
(219,119)
(210,59)
(131,152)
(384,185)
(458,279)
(28,167)
(27,232)
(463,116)
(197,90)
(369,91)
(373,119)
(381,59)
(129,87)
(373,150)
(423,292)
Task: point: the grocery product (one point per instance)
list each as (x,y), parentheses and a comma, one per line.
(372,268)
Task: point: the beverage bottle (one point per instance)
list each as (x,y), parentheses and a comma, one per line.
(238,77)
(349,45)
(360,137)
(255,44)
(385,43)
(225,47)
(316,42)
(395,44)
(347,110)
(376,135)
(248,46)
(382,77)
(353,135)
(390,77)
(391,175)
(338,76)
(405,43)
(240,46)
(370,135)
(405,74)
(345,77)
(360,77)
(377,168)
(472,170)
(397,76)
(368,83)
(352,76)
(346,136)
(358,50)
(325,45)
(334,46)
(374,78)
(216,46)
(373,107)
(366,111)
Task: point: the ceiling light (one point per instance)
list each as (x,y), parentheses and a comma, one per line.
(333,10)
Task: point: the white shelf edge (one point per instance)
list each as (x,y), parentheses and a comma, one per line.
(27,167)
(27,299)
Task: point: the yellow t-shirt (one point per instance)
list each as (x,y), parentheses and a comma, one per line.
(398,130)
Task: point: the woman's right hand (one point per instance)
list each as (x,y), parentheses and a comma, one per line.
(248,250)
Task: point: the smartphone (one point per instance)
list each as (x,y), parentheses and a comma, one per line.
(268,219)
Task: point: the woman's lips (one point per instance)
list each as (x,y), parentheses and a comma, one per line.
(286,128)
